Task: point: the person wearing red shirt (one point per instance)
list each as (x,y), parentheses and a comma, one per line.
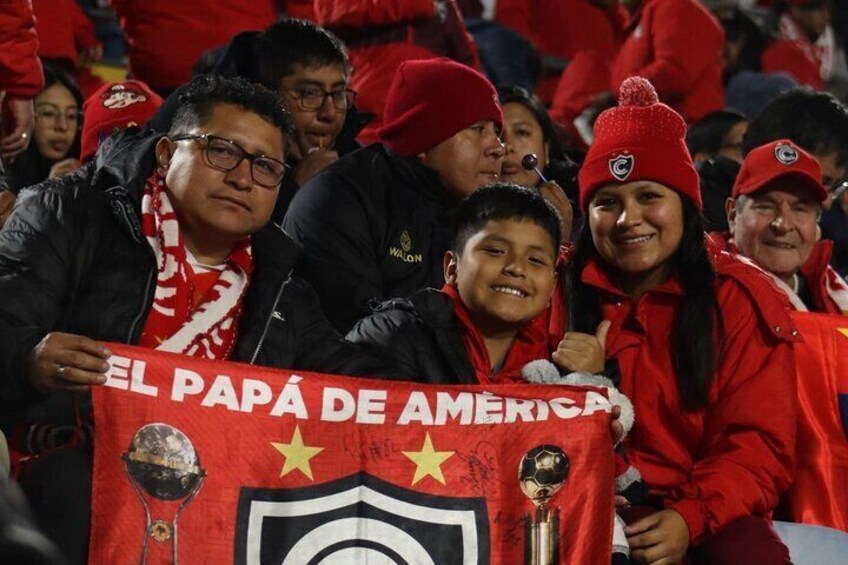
(21,78)
(166,38)
(703,343)
(678,46)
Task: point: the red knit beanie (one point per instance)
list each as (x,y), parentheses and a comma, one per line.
(432,99)
(640,139)
(115,106)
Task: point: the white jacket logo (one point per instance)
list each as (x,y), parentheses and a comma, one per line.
(621,166)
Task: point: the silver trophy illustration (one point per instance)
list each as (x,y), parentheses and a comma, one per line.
(162,464)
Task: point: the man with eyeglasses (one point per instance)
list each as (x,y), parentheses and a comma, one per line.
(773,213)
(162,242)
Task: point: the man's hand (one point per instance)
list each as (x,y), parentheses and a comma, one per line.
(659,539)
(583,352)
(556,196)
(313,163)
(64,167)
(67,362)
(18,122)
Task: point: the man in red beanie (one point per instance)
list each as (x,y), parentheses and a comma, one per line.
(375,224)
(115,107)
(773,215)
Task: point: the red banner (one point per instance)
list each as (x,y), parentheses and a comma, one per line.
(202,462)
(819,494)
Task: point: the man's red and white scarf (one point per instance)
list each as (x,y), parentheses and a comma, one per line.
(208,330)
(820,53)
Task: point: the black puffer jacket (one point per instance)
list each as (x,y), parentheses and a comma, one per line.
(418,338)
(373,226)
(73,259)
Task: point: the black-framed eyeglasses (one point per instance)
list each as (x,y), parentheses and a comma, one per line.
(312,98)
(225,155)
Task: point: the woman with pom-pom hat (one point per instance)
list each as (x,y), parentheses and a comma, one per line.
(710,370)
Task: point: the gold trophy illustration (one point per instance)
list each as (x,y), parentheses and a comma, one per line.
(164,469)
(542,472)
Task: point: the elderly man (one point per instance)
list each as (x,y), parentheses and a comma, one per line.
(163,242)
(375,224)
(773,213)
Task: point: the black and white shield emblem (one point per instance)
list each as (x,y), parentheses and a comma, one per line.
(621,166)
(359,519)
(785,154)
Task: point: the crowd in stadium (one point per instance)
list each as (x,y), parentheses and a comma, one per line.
(438,191)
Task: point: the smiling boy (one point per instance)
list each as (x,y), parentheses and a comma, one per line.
(489,319)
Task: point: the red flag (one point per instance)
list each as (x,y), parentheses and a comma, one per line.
(819,494)
(211,462)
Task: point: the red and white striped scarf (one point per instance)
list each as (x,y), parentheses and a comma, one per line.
(820,53)
(209,330)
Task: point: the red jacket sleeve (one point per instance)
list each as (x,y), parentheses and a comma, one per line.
(748,447)
(363,13)
(685,41)
(20,69)
(84,35)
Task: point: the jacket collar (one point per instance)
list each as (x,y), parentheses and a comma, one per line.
(411,172)
(597,274)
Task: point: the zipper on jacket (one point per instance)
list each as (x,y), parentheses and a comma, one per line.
(271,316)
(120,206)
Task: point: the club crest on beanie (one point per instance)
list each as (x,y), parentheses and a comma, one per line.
(112,107)
(641,139)
(430,100)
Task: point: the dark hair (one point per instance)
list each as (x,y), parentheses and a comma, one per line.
(55,75)
(739,27)
(292,42)
(697,337)
(707,135)
(503,201)
(205,92)
(530,101)
(816,121)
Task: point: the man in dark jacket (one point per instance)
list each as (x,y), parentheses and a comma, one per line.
(162,242)
(376,224)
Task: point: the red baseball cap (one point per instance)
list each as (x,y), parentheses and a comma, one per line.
(775,160)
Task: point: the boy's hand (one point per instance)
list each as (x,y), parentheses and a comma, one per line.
(63,361)
(659,539)
(583,352)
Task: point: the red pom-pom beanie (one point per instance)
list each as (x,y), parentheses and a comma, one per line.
(430,100)
(640,139)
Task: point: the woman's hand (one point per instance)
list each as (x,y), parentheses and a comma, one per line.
(554,194)
(581,352)
(64,167)
(659,539)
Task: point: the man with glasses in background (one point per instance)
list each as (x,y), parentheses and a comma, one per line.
(162,242)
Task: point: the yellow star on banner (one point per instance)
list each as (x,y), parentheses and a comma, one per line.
(428,461)
(297,455)
(843,331)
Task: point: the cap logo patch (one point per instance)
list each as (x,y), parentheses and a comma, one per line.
(785,154)
(120,96)
(621,166)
